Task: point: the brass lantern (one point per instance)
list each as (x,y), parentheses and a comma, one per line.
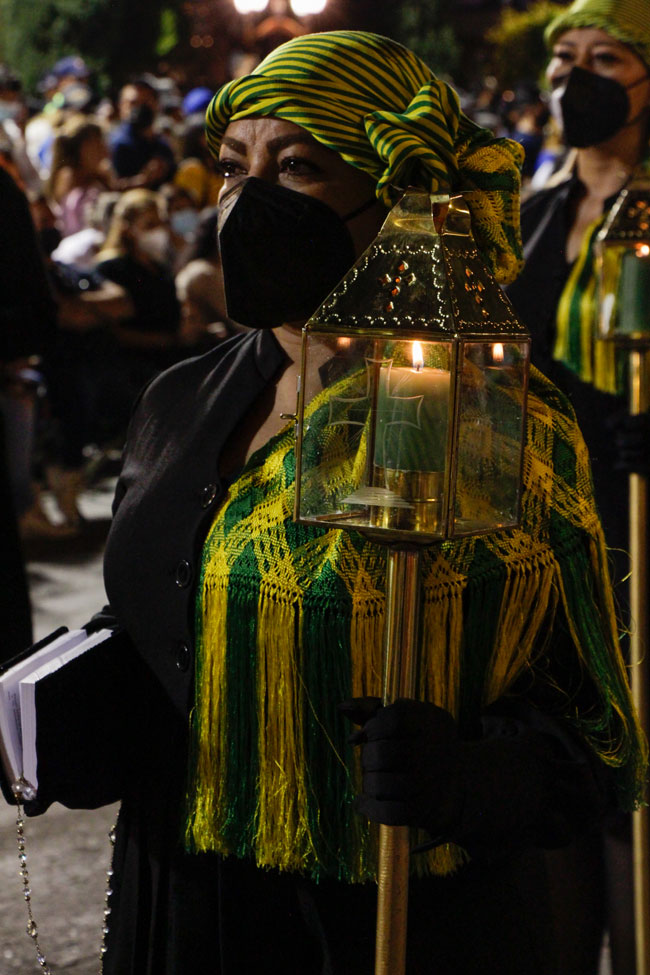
(623,265)
(410,422)
(410,429)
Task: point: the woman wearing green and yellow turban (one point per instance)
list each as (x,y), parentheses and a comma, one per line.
(599,72)
(246,840)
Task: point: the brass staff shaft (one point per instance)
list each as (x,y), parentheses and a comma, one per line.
(638,502)
(400,667)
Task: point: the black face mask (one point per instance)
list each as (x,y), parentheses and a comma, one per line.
(141,118)
(282,252)
(593,108)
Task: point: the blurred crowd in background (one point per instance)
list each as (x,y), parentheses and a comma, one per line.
(122,193)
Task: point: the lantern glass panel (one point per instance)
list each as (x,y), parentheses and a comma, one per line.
(622,251)
(624,290)
(376,421)
(490,435)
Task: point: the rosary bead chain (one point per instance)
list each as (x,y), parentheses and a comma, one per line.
(32,927)
(108,893)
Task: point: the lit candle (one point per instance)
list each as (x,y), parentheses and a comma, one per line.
(634,290)
(494,370)
(412,416)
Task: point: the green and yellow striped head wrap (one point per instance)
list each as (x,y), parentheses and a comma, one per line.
(627,21)
(383,111)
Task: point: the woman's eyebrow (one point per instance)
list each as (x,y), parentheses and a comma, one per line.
(615,45)
(294,139)
(234,144)
(281,142)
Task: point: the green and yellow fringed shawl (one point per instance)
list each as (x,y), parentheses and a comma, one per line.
(290,621)
(576,344)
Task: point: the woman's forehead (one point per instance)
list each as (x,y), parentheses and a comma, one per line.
(589,37)
(272,132)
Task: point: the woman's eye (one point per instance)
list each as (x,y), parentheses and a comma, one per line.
(228,168)
(606,59)
(298,166)
(564,56)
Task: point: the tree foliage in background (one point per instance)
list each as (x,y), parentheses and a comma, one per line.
(425,27)
(115,37)
(519,52)
(120,37)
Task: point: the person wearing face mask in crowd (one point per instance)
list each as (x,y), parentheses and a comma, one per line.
(599,71)
(239,846)
(137,256)
(183,218)
(140,157)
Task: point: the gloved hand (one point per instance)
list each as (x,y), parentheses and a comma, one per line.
(527,782)
(631,433)
(409,759)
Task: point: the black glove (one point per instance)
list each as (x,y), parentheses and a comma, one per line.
(529,783)
(631,433)
(408,759)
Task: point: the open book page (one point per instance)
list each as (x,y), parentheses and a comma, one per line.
(10,730)
(11,745)
(27,695)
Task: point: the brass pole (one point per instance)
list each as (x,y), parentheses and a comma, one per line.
(639,663)
(400,667)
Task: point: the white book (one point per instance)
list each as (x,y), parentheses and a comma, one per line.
(18,721)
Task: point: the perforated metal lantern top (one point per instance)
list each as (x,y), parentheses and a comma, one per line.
(413,385)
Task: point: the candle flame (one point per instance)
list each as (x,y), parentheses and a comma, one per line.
(418,357)
(497,352)
(642,250)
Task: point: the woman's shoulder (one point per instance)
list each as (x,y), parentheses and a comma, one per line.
(200,375)
(541,198)
(541,211)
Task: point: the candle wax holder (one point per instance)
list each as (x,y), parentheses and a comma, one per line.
(421,497)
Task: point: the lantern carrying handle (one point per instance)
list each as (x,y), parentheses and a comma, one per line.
(399,680)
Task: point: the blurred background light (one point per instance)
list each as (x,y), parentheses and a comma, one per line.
(250,6)
(304,8)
